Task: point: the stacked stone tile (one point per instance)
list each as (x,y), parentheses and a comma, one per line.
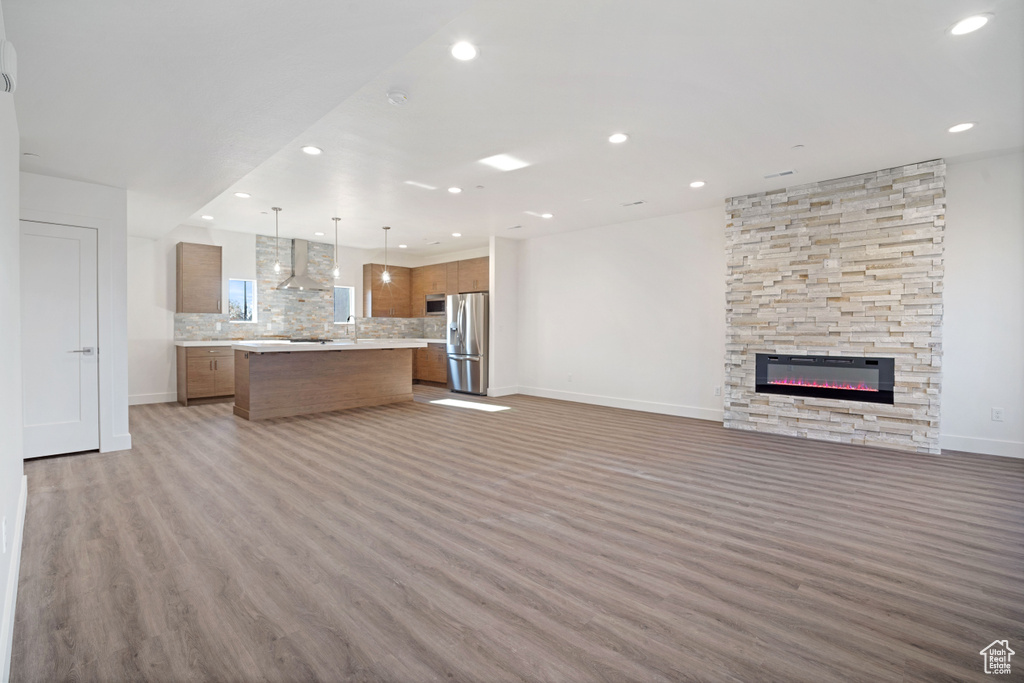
(846,267)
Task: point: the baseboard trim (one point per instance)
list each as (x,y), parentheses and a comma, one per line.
(971,444)
(118,442)
(495,392)
(628,404)
(143,399)
(11,593)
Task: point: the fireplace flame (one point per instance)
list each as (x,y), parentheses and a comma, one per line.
(822,384)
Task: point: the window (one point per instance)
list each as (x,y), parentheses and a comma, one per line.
(242,301)
(344,304)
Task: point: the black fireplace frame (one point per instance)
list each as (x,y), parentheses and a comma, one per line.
(886,377)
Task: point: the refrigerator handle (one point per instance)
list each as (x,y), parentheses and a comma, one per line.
(460,322)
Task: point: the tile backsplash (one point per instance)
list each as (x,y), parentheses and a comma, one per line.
(287,315)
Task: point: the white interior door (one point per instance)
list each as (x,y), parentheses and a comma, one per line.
(60,368)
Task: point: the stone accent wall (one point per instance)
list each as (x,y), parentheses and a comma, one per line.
(846,267)
(287,315)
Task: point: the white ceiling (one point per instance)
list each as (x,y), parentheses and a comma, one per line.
(186,103)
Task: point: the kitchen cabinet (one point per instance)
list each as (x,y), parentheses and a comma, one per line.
(199,278)
(474,275)
(453,278)
(387,299)
(205,372)
(430,364)
(427,280)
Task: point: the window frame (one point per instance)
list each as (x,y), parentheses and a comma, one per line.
(351,304)
(255,300)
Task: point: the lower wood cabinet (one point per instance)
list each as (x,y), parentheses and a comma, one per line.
(430,364)
(205,372)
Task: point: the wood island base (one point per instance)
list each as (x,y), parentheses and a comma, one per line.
(285,384)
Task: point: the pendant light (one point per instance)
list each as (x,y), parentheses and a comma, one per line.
(337,270)
(277,240)
(385,277)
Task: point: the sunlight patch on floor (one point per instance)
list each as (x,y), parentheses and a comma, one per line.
(456,403)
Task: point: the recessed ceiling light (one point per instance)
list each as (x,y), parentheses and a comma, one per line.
(207,218)
(403,246)
(960,127)
(310,149)
(455,190)
(618,137)
(970,24)
(423,185)
(547,215)
(504,162)
(697,183)
(456,234)
(464,51)
(242,195)
(318,234)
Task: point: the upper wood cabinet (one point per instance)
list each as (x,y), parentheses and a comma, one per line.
(474,275)
(427,280)
(453,278)
(199,278)
(406,295)
(387,299)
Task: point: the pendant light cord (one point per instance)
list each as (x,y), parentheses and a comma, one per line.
(277,237)
(336,219)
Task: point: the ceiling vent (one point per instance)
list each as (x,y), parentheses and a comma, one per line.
(642,201)
(780,174)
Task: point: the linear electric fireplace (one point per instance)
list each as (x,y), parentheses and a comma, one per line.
(842,377)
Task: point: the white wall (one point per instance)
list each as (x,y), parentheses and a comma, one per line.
(401,257)
(503,356)
(633,312)
(151,302)
(12,499)
(983,322)
(151,299)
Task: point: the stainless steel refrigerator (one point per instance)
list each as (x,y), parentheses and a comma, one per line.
(467,343)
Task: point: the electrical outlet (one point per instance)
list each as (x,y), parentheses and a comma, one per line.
(218,327)
(997,414)
(718,390)
(570,376)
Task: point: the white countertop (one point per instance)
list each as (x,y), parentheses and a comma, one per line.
(274,346)
(364,343)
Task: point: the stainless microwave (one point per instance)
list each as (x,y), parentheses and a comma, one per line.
(435,304)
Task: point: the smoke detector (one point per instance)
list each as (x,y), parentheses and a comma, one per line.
(398,98)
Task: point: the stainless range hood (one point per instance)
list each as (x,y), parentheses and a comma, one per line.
(300,281)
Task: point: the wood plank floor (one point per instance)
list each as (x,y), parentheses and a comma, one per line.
(550,542)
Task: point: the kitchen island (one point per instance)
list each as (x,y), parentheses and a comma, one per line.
(281,379)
